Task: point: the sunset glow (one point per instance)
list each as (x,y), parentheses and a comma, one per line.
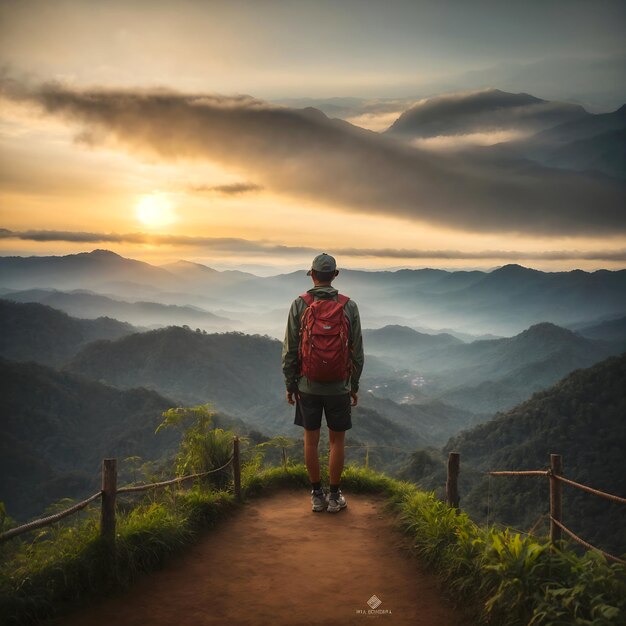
(155,211)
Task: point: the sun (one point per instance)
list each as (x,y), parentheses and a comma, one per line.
(155,210)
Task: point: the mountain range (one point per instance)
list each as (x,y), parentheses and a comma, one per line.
(549,133)
(504,301)
(88,304)
(487,375)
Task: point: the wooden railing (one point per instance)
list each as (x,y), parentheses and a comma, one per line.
(109,491)
(555,475)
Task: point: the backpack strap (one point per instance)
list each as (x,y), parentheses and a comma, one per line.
(343,300)
(308,298)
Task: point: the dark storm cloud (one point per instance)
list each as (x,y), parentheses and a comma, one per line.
(232,189)
(237,246)
(302,153)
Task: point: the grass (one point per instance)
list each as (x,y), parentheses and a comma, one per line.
(64,564)
(505,579)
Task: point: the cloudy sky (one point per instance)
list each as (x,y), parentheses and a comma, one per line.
(194,130)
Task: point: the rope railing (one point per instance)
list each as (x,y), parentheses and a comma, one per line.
(521,473)
(109,492)
(555,475)
(173,481)
(45,521)
(584,543)
(596,492)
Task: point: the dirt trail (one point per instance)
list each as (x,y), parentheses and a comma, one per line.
(277,563)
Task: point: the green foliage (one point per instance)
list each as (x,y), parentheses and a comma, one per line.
(203,447)
(279,442)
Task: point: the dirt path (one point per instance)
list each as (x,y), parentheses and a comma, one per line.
(277,563)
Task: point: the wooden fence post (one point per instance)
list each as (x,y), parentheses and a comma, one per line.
(236,468)
(556,497)
(452,481)
(107,511)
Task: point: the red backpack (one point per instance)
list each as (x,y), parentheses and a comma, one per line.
(325,340)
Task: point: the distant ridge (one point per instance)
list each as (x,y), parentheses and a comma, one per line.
(36,332)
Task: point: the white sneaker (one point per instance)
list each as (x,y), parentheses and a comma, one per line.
(336,502)
(319,500)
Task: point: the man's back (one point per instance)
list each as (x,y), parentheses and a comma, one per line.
(291,347)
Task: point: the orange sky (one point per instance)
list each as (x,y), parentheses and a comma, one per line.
(53,178)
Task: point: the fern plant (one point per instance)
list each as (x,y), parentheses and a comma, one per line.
(203,447)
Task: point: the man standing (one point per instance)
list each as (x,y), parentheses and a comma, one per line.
(322,362)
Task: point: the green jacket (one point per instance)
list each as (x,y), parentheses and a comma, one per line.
(291,344)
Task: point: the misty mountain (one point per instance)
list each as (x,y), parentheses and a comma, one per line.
(35,332)
(605,153)
(87,304)
(232,371)
(82,270)
(582,418)
(609,330)
(241,375)
(403,345)
(495,358)
(586,144)
(514,297)
(432,420)
(483,111)
(493,375)
(585,127)
(503,302)
(105,271)
(198,276)
(487,375)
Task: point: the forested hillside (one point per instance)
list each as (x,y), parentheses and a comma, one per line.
(57,428)
(35,332)
(583,418)
(232,370)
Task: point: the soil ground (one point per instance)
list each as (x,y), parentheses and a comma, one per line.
(276,563)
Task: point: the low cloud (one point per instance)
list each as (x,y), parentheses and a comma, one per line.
(232,189)
(483,111)
(237,246)
(304,154)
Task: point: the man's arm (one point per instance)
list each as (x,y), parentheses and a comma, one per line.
(291,370)
(357,355)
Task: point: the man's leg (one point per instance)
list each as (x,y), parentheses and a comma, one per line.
(336,500)
(311,458)
(335,465)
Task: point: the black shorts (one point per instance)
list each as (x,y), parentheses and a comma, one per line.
(336,408)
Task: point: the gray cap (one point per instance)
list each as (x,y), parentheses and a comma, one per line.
(323,263)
